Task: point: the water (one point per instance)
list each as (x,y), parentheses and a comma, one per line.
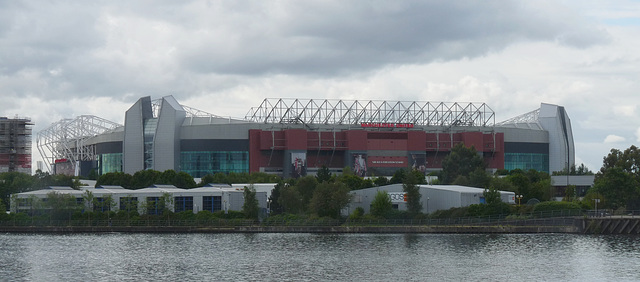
(313,257)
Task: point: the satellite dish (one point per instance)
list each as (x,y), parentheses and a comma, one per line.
(533,201)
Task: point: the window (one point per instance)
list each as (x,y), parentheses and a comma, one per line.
(109,163)
(201,163)
(212,203)
(526,161)
(128,204)
(101,205)
(183,204)
(154,206)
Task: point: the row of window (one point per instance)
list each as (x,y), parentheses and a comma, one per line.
(526,161)
(196,164)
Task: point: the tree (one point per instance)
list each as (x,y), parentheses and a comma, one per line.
(398,176)
(479,178)
(410,186)
(461,161)
(3,209)
(61,206)
(569,193)
(305,186)
(618,187)
(250,208)
(329,199)
(88,199)
(290,199)
(274,206)
(618,181)
(323,174)
(381,204)
(116,178)
(381,181)
(183,180)
(491,196)
(145,178)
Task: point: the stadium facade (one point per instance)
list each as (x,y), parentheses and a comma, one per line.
(292,137)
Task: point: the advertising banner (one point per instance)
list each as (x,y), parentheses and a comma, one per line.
(419,162)
(360,164)
(298,164)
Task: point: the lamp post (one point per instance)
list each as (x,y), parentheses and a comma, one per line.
(268,207)
(596,202)
(427,204)
(519,197)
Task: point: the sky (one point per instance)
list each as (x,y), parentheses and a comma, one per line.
(61,59)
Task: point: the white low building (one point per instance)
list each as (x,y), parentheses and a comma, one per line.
(147,200)
(434,197)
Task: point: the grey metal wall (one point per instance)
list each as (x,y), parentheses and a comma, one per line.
(133,149)
(166,143)
(555,120)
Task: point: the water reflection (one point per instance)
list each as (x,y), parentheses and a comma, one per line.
(312,257)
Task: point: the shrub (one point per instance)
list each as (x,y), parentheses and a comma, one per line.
(556,206)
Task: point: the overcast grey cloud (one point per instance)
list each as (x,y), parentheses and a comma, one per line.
(60,59)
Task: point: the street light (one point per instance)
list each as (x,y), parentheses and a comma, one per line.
(268,207)
(596,201)
(427,204)
(519,197)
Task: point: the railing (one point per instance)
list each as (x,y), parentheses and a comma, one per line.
(550,218)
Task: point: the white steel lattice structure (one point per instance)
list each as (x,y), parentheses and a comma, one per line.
(286,111)
(66,139)
(191,112)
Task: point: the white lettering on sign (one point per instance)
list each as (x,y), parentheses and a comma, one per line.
(388,162)
(397,197)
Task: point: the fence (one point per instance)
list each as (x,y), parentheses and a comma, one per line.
(549,218)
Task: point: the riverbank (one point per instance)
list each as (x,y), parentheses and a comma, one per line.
(292,229)
(569,225)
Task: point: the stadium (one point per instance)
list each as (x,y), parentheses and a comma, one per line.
(295,137)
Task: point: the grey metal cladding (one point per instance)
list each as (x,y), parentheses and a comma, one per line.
(525,147)
(133,149)
(166,144)
(109,147)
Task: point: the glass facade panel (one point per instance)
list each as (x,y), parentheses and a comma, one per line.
(212,203)
(183,204)
(201,163)
(150,126)
(526,161)
(110,163)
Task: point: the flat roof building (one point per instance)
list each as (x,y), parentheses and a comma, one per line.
(147,200)
(433,197)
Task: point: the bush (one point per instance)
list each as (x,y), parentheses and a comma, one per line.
(357,213)
(556,206)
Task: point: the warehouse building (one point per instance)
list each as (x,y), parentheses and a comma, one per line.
(433,197)
(293,138)
(149,200)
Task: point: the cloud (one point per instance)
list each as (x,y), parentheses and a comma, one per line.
(614,139)
(638,134)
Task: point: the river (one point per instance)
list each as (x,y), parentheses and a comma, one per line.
(314,257)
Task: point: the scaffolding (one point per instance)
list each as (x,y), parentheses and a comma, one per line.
(345,112)
(15,144)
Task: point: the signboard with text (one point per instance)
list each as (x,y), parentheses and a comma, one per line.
(386,125)
(398,197)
